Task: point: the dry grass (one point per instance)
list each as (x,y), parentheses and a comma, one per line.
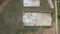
(12,16)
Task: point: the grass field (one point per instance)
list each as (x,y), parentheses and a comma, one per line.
(12,16)
(59,15)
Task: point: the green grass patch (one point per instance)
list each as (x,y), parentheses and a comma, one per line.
(24,31)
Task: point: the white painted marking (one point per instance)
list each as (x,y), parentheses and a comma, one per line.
(37,19)
(31,3)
